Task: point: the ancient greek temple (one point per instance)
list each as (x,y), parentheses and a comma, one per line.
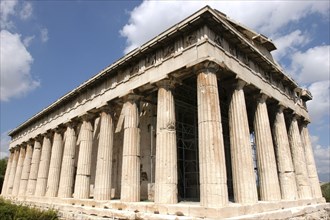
(199,122)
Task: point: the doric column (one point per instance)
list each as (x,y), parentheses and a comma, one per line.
(102,189)
(299,161)
(284,160)
(9,163)
(19,169)
(244,182)
(85,141)
(26,170)
(65,189)
(212,163)
(267,171)
(166,190)
(33,176)
(130,179)
(310,162)
(43,166)
(10,184)
(55,165)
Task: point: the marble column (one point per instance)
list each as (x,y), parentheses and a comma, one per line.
(102,189)
(166,174)
(244,181)
(8,168)
(269,187)
(55,165)
(19,169)
(11,178)
(65,189)
(33,176)
(212,163)
(285,168)
(26,170)
(43,166)
(310,162)
(130,179)
(299,160)
(82,183)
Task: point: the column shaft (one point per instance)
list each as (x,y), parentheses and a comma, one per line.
(299,161)
(8,169)
(244,182)
(267,170)
(33,176)
(82,184)
(68,168)
(130,179)
(26,170)
(19,171)
(310,162)
(286,172)
(212,163)
(55,165)
(102,189)
(166,190)
(10,184)
(43,167)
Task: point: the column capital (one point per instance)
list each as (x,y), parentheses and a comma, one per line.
(239,84)
(109,108)
(88,116)
(207,66)
(166,83)
(47,134)
(131,97)
(261,97)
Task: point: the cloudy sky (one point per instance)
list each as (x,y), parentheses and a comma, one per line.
(50,47)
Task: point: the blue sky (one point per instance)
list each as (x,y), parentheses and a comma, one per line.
(50,47)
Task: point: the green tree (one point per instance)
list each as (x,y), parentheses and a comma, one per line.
(3,165)
(326,191)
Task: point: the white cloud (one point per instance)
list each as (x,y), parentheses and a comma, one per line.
(44,35)
(26,11)
(16,61)
(147,19)
(27,40)
(4,144)
(319,106)
(322,160)
(288,44)
(312,65)
(7,8)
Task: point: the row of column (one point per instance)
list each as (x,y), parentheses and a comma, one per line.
(49,170)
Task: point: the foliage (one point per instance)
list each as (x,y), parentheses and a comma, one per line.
(326,191)
(3,165)
(10,211)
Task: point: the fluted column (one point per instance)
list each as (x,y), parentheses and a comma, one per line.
(8,169)
(310,162)
(19,170)
(102,189)
(43,166)
(267,171)
(244,182)
(26,170)
(82,183)
(33,176)
(166,189)
(212,164)
(299,160)
(11,178)
(65,189)
(286,172)
(55,165)
(130,179)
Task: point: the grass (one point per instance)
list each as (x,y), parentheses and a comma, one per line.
(326,191)
(9,211)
